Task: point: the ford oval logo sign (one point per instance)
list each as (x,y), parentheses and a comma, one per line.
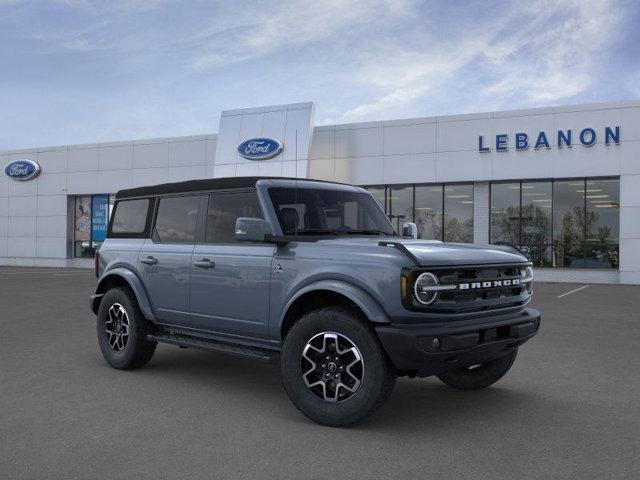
(260,148)
(22,170)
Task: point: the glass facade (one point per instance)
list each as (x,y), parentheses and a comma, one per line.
(90,220)
(505,213)
(428,211)
(561,223)
(458,213)
(441,211)
(555,223)
(400,205)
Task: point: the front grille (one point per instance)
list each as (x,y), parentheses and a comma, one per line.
(479,274)
(477,297)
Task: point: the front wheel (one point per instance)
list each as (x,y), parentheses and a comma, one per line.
(476,377)
(334,369)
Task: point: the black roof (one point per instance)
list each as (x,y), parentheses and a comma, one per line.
(200,185)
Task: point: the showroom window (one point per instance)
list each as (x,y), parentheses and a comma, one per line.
(562,223)
(400,203)
(505,213)
(603,223)
(441,212)
(568,223)
(458,213)
(91,217)
(428,211)
(536,224)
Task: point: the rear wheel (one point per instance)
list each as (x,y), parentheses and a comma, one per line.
(122,331)
(476,377)
(334,369)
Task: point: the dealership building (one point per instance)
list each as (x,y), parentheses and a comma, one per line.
(562,184)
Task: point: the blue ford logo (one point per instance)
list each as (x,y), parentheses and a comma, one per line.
(22,170)
(260,148)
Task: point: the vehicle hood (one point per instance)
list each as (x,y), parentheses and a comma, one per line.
(434,253)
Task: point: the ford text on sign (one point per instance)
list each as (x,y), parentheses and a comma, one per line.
(260,148)
(22,170)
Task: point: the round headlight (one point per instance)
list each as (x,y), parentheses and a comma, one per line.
(421,288)
(526,277)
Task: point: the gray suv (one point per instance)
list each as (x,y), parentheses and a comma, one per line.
(313,275)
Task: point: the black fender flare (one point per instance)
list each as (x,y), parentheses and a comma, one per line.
(134,283)
(369,306)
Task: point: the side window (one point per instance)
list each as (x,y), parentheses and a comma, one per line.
(176,219)
(224,209)
(130,217)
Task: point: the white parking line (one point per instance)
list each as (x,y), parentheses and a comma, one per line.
(573,291)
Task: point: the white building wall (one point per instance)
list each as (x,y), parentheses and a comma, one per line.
(290,124)
(36,217)
(445,149)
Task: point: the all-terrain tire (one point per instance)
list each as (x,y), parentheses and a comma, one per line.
(117,308)
(377,374)
(481,376)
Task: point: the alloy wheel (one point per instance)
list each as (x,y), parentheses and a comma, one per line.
(333,366)
(117,327)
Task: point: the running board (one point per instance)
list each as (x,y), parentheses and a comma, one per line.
(214,346)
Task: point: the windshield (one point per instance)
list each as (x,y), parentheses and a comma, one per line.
(311,211)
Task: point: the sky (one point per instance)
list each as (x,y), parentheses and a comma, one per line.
(80,71)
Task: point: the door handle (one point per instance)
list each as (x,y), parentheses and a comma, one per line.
(149,260)
(204,263)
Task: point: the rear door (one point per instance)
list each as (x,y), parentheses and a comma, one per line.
(230,281)
(165,259)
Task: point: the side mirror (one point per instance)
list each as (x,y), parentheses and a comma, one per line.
(409,229)
(252,229)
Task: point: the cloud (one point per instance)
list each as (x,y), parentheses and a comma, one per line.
(398,98)
(106,70)
(119,6)
(552,61)
(404,77)
(209,34)
(289,23)
(541,53)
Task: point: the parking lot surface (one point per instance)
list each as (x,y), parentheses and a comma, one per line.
(569,408)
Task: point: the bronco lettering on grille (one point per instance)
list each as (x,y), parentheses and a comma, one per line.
(509,282)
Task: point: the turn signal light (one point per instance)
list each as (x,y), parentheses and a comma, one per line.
(403,286)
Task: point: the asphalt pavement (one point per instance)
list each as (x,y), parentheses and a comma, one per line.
(569,408)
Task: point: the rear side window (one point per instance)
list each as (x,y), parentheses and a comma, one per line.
(176,219)
(130,217)
(224,209)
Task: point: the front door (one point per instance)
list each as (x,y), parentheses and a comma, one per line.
(230,281)
(165,260)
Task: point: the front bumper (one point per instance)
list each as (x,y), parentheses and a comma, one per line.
(428,349)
